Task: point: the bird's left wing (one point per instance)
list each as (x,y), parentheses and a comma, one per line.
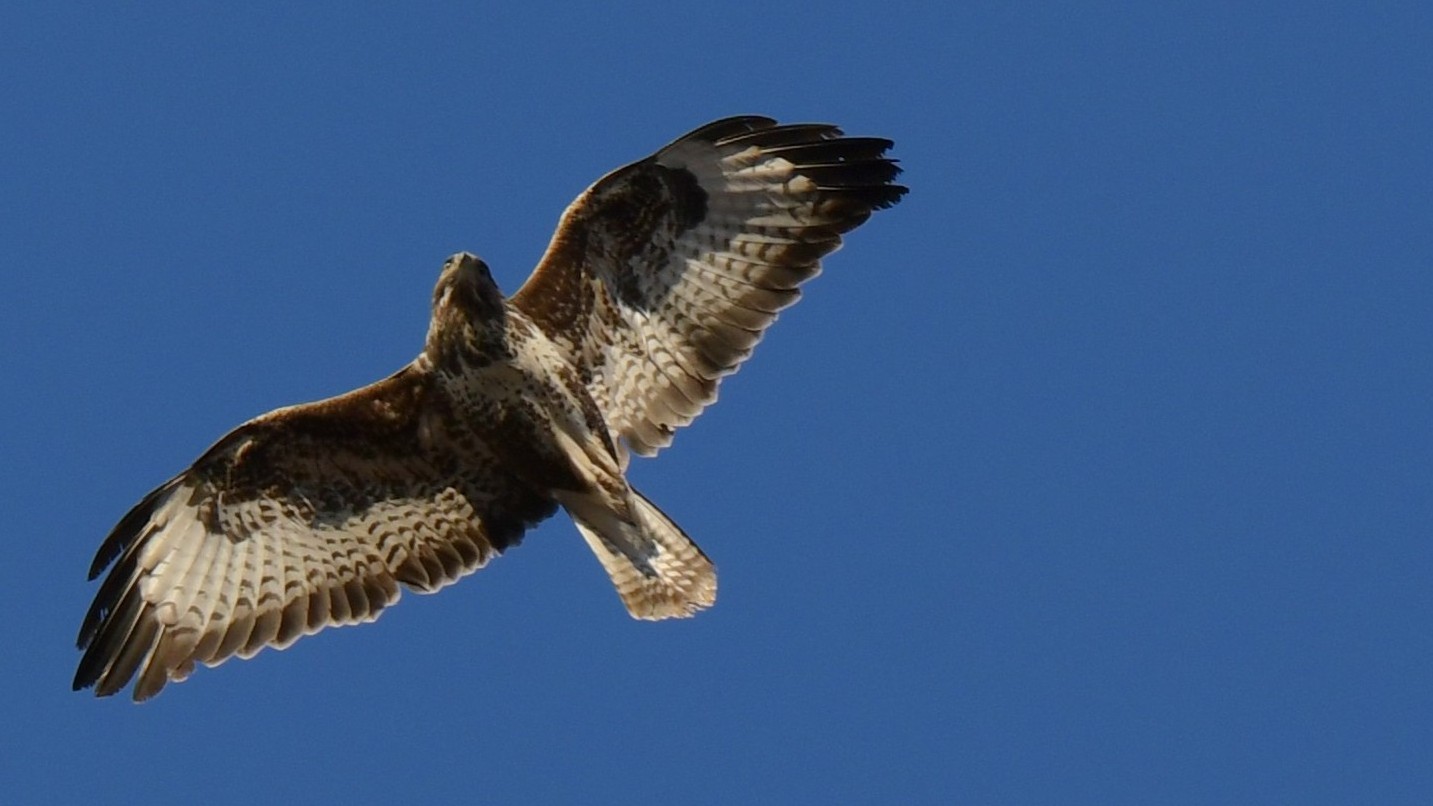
(306,517)
(664,275)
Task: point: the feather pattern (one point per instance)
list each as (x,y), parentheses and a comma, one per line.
(664,275)
(660,280)
(305,518)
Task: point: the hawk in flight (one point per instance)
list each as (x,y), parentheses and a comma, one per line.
(660,280)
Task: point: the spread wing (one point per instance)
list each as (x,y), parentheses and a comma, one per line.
(664,275)
(305,517)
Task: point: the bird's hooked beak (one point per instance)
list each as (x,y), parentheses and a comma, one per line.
(466,262)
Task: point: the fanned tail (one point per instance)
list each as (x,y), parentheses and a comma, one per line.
(657,570)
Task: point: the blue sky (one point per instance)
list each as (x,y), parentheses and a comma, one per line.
(1097,471)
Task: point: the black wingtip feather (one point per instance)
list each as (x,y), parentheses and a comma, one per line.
(109,641)
(785,135)
(124,533)
(844,149)
(887,197)
(720,130)
(836,175)
(133,653)
(873,196)
(854,168)
(105,602)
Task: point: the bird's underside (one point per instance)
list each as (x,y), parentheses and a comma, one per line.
(659,281)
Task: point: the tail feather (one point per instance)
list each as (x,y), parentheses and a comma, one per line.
(658,571)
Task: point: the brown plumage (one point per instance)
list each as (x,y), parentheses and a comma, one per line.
(659,281)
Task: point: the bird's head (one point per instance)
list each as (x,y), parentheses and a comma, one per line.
(468,308)
(465,284)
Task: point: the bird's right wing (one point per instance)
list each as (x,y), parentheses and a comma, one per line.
(306,517)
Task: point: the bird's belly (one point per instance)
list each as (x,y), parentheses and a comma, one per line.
(520,418)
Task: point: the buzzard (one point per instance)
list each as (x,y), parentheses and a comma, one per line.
(659,281)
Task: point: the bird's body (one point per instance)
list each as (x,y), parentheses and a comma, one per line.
(660,280)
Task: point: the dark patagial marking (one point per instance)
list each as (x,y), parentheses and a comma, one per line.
(653,227)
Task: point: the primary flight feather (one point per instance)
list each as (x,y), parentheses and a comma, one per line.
(659,281)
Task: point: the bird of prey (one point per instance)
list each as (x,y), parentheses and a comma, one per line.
(658,282)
